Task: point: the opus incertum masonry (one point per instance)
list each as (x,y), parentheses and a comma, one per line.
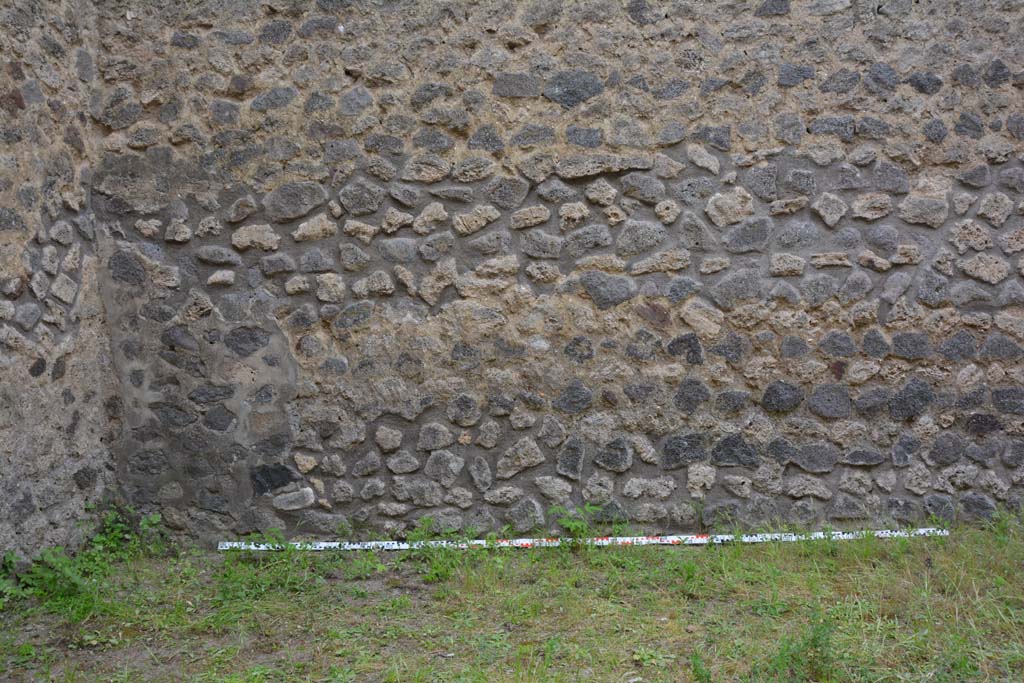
(338,265)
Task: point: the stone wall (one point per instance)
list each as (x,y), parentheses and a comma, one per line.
(59,402)
(694,264)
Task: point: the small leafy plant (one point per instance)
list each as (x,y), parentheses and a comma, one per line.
(71,584)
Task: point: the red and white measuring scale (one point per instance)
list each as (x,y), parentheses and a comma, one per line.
(697,539)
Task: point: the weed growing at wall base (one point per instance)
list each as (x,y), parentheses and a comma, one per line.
(74,585)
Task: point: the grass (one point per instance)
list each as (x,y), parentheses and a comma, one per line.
(126,609)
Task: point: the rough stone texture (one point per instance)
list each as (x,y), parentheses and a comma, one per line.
(474,273)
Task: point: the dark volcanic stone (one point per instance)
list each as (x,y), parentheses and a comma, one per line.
(838,344)
(607,290)
(782,397)
(842,127)
(863,458)
(817,458)
(11,221)
(126,267)
(354,315)
(569,88)
(904,512)
(977,505)
(830,401)
(750,235)
(515,85)
(969,125)
(781,451)
(881,78)
(912,400)
(275,98)
(245,341)
(982,424)
(178,337)
(875,344)
(734,451)
(793,347)
(219,419)
(579,349)
(732,402)
(463,410)
(266,478)
(681,450)
(846,508)
(949,448)
(935,131)
(732,347)
(1013,455)
(888,177)
(616,455)
(1009,400)
(688,346)
(209,393)
(940,505)
(487,138)
(998,347)
(570,458)
(574,399)
(794,74)
(719,137)
(802,181)
(925,82)
(904,448)
(742,285)
(361,198)
(293,200)
(772,8)
(590,138)
(911,345)
(978,176)
(172,415)
(682,287)
(872,401)
(958,347)
(643,186)
(761,180)
(506,192)
(996,74)
(689,396)
(842,81)
(218,256)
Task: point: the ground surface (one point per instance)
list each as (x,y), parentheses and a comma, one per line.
(900,610)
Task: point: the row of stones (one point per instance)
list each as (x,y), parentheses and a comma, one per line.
(788,128)
(570,88)
(620,453)
(758,511)
(442,469)
(752,234)
(962,347)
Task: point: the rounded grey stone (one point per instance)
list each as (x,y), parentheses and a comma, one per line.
(782,397)
(570,88)
(830,401)
(293,200)
(817,458)
(681,450)
(615,456)
(607,290)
